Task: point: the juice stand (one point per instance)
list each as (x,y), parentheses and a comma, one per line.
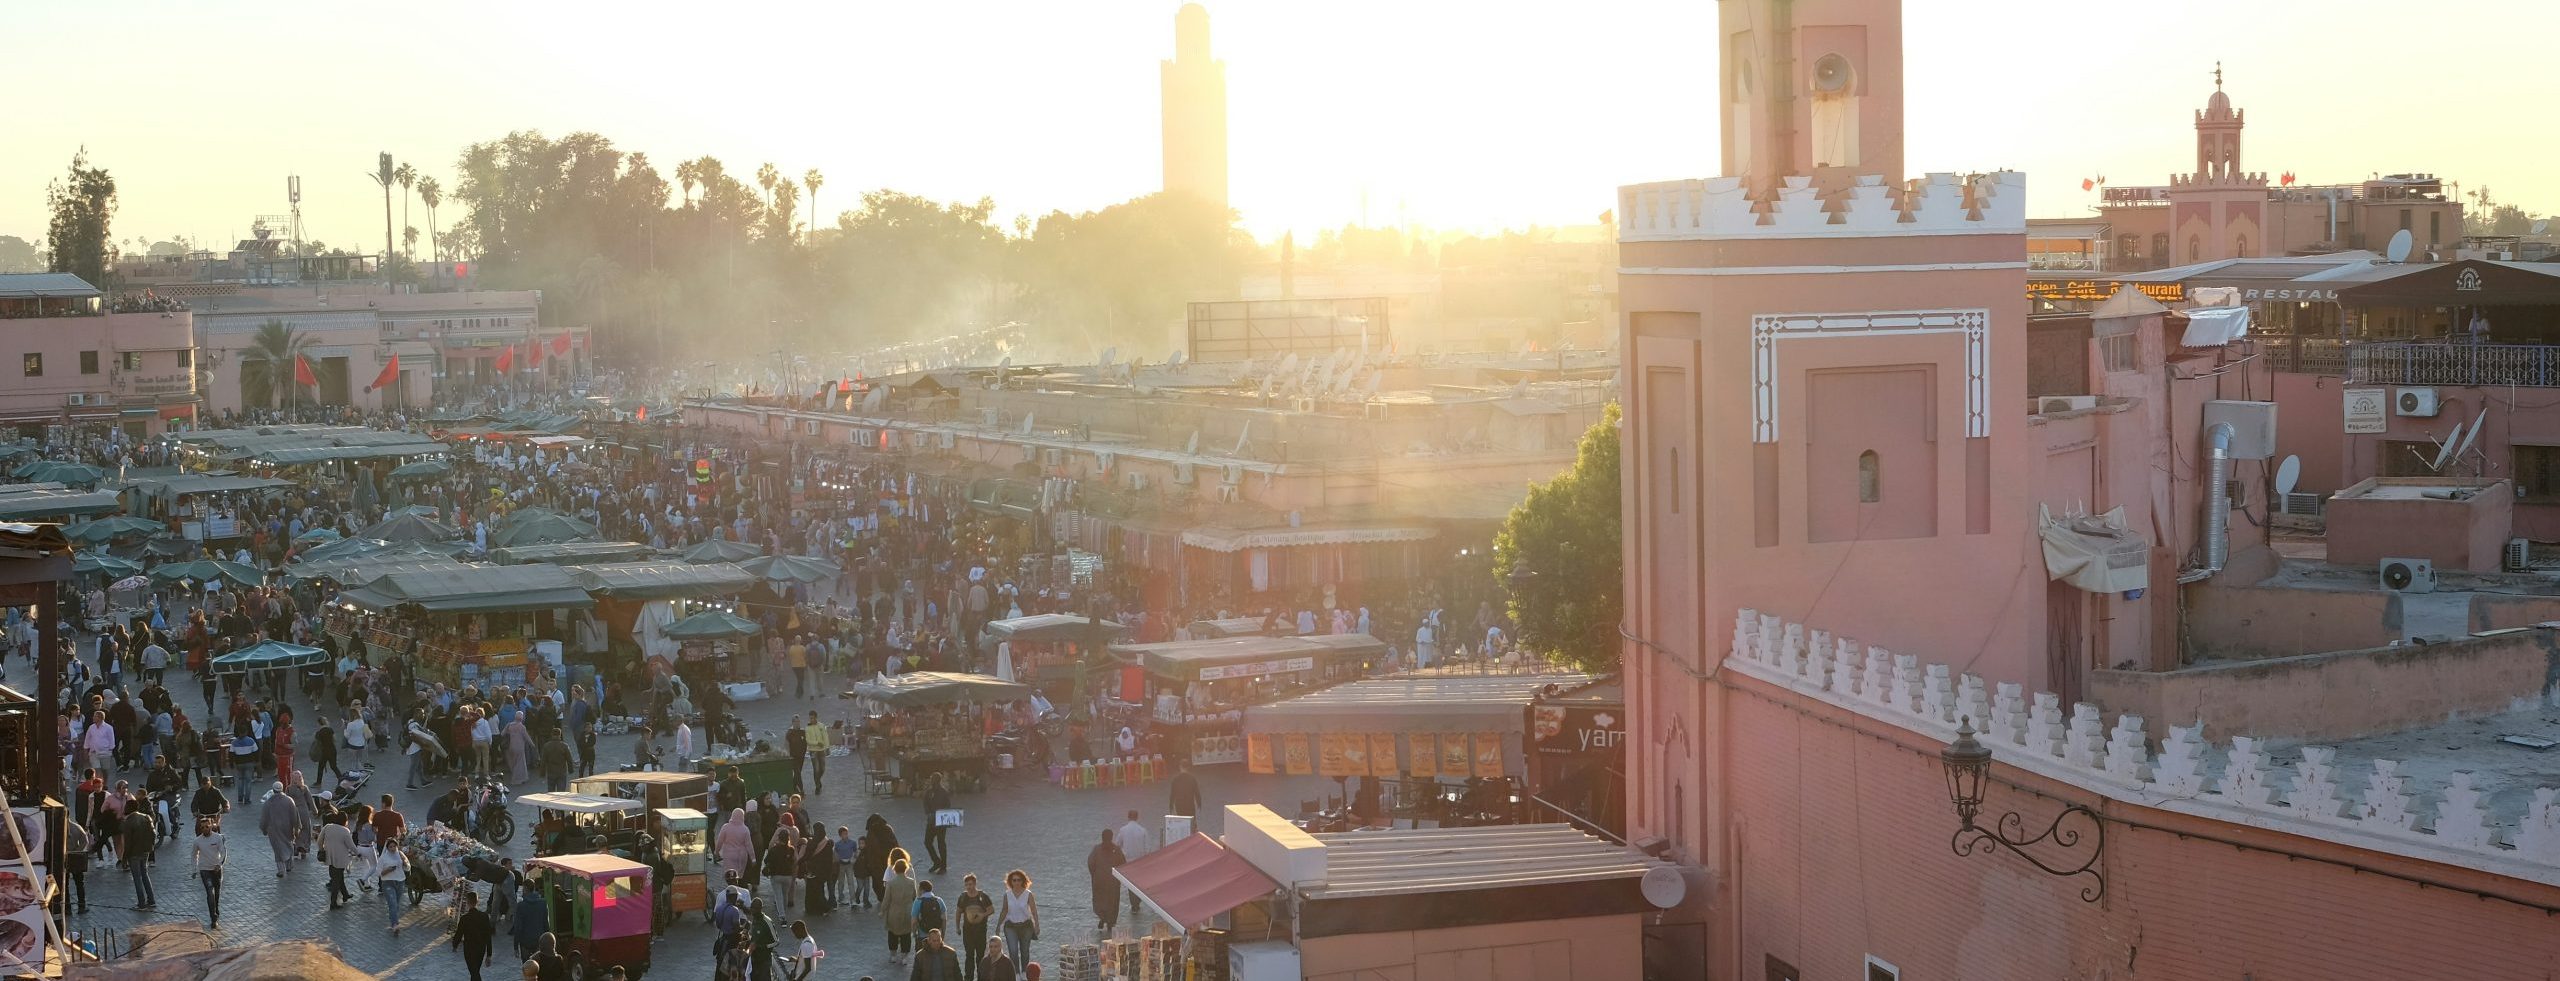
(924,723)
(684,836)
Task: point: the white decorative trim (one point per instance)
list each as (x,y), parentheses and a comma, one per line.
(2117,763)
(1723,208)
(1816,270)
(1769,328)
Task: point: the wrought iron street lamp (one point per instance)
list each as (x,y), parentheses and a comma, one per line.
(1968,764)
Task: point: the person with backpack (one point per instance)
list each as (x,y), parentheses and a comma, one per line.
(928,910)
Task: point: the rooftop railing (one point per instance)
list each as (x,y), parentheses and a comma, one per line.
(2422,363)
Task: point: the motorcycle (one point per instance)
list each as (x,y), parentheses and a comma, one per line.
(491,822)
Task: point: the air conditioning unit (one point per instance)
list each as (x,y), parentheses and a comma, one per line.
(2065,403)
(2416,402)
(2305,503)
(1182,472)
(1227,493)
(1235,474)
(2519,555)
(76,398)
(2408,576)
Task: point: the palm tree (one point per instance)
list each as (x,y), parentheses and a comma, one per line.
(408,177)
(766,177)
(812,180)
(431,194)
(386,175)
(688,174)
(266,365)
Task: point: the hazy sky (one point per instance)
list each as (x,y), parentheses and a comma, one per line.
(1456,114)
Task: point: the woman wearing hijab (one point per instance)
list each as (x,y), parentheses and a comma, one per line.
(277,820)
(735,843)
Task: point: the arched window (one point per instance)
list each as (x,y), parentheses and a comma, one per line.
(2240,247)
(1870,478)
(2160,249)
(2195,248)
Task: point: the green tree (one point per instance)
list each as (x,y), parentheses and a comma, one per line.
(1566,535)
(408,177)
(83,203)
(430,194)
(17,255)
(266,365)
(813,180)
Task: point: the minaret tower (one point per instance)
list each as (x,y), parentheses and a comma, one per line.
(1195,111)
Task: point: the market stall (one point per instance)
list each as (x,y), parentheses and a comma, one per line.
(1043,650)
(929,722)
(1578,756)
(475,624)
(1450,745)
(1193,693)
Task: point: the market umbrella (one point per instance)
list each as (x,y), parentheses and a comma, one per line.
(789,568)
(317,535)
(266,655)
(60,471)
(410,526)
(711,625)
(423,469)
(117,526)
(99,562)
(209,570)
(171,547)
(721,550)
(546,527)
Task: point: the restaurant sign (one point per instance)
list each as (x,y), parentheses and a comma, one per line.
(2252,294)
(1577,729)
(1256,669)
(160,384)
(2095,290)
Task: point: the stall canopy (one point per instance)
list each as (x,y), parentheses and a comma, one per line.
(423,469)
(100,562)
(1049,627)
(410,527)
(267,655)
(1420,702)
(296,455)
(939,688)
(210,570)
(59,471)
(790,568)
(48,504)
(570,553)
(663,580)
(474,589)
(1193,881)
(1220,658)
(357,570)
(1238,540)
(712,625)
(538,528)
(118,526)
(722,550)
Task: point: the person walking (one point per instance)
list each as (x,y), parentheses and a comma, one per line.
(206,858)
(1185,792)
(1098,863)
(898,908)
(795,740)
(338,851)
(991,962)
(140,836)
(781,861)
(937,835)
(814,735)
(1133,840)
(935,961)
(973,907)
(472,933)
(528,923)
(391,875)
(1021,915)
(931,915)
(277,821)
(804,952)
(555,762)
(324,751)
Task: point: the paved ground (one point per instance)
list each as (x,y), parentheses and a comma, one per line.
(1020,822)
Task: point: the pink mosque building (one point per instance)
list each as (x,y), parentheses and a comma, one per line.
(1847,538)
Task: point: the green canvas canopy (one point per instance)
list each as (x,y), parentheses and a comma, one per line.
(474,589)
(789,568)
(210,570)
(939,688)
(268,655)
(116,526)
(663,580)
(722,550)
(712,625)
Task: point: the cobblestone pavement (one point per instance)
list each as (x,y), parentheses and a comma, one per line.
(1021,821)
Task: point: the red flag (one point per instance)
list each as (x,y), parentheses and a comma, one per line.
(641,414)
(560,344)
(507,359)
(2087,184)
(390,373)
(302,371)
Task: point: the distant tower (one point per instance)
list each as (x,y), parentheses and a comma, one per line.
(2219,211)
(1195,111)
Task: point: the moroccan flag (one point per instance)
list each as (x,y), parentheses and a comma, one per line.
(560,344)
(390,373)
(302,371)
(642,415)
(507,359)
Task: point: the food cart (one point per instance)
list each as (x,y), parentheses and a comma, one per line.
(684,837)
(1193,693)
(654,788)
(568,823)
(600,908)
(924,723)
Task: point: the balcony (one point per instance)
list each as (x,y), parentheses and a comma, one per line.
(2409,363)
(2303,355)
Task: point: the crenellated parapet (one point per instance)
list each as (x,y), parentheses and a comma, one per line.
(1725,207)
(2374,805)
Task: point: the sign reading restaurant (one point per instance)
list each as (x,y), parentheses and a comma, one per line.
(2096,290)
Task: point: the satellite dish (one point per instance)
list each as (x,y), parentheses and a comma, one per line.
(2444,454)
(1664,886)
(1243,436)
(1193,448)
(2288,474)
(1026,424)
(2478,423)
(2398,250)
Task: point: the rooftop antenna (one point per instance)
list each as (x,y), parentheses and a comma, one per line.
(293,197)
(2398,251)
(1243,436)
(1193,448)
